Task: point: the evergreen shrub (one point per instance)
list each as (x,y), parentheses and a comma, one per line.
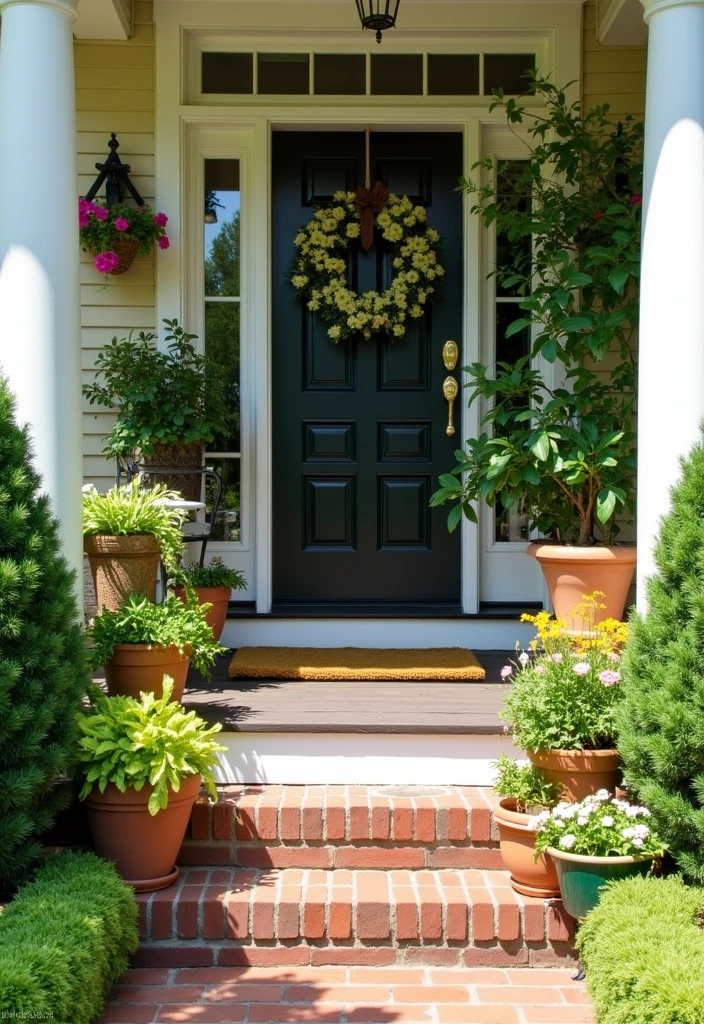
(43,673)
(644,953)
(65,940)
(660,721)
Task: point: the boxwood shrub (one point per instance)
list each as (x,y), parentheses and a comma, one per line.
(65,940)
(643,950)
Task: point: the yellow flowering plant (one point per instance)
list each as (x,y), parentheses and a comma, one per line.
(320,271)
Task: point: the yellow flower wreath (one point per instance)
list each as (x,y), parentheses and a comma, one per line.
(320,272)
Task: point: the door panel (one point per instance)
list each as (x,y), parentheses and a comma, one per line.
(359,427)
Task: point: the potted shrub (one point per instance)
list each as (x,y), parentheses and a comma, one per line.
(559,447)
(142,763)
(114,234)
(209,585)
(594,842)
(525,793)
(169,403)
(125,533)
(141,642)
(562,706)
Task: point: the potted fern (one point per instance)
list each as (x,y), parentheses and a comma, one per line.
(125,533)
(209,585)
(525,792)
(141,642)
(142,763)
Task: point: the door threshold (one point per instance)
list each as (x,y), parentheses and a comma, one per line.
(365,610)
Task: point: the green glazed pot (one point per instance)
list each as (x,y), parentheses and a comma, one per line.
(581,878)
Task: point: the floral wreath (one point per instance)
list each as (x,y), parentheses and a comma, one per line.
(320,272)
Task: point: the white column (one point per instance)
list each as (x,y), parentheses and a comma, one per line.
(671,356)
(39,252)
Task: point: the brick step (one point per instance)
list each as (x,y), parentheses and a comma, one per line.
(351,827)
(228,917)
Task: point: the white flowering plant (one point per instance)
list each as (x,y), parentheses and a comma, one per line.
(566,688)
(599,826)
(320,270)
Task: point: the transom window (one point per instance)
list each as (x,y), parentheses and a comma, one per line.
(363,74)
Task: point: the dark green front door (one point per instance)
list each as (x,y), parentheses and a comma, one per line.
(359,427)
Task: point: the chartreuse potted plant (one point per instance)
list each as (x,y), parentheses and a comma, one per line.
(558,441)
(142,763)
(598,840)
(525,792)
(141,642)
(169,402)
(125,533)
(209,585)
(562,705)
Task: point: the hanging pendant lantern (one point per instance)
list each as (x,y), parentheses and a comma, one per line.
(378,14)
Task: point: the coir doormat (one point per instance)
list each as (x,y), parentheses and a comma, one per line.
(355,663)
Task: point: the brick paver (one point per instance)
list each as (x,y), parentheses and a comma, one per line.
(342,995)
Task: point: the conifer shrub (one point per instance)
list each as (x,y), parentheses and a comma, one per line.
(643,951)
(43,671)
(660,721)
(65,940)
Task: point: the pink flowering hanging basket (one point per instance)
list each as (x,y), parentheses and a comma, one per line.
(125,250)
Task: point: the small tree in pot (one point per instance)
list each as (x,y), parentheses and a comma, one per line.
(169,403)
(562,452)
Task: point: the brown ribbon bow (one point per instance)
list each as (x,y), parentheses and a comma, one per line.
(369,202)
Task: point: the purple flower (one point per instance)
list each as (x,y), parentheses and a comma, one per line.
(100,212)
(581,668)
(163,242)
(557,658)
(613,656)
(105,262)
(609,678)
(540,670)
(122,224)
(161,219)
(83,218)
(506,671)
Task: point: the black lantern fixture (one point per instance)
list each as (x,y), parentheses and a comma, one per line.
(115,174)
(378,14)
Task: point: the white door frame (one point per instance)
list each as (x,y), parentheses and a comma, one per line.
(250,125)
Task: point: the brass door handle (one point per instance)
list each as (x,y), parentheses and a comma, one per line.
(450,388)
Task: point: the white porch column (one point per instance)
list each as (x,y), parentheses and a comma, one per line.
(39,253)
(671,359)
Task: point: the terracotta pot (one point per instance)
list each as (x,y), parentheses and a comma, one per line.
(579,772)
(143,846)
(137,668)
(517,843)
(121,566)
(571,572)
(178,455)
(218,598)
(582,878)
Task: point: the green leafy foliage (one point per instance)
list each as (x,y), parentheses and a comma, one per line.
(661,722)
(523,782)
(43,670)
(152,742)
(217,574)
(562,454)
(65,940)
(131,510)
(599,826)
(139,621)
(168,396)
(643,950)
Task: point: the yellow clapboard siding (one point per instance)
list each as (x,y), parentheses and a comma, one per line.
(123,56)
(131,294)
(143,34)
(615,59)
(144,185)
(95,338)
(616,83)
(141,273)
(142,12)
(141,164)
(111,316)
(95,467)
(627,103)
(109,100)
(94,120)
(94,78)
(134,143)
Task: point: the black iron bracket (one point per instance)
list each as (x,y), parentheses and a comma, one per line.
(115,174)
